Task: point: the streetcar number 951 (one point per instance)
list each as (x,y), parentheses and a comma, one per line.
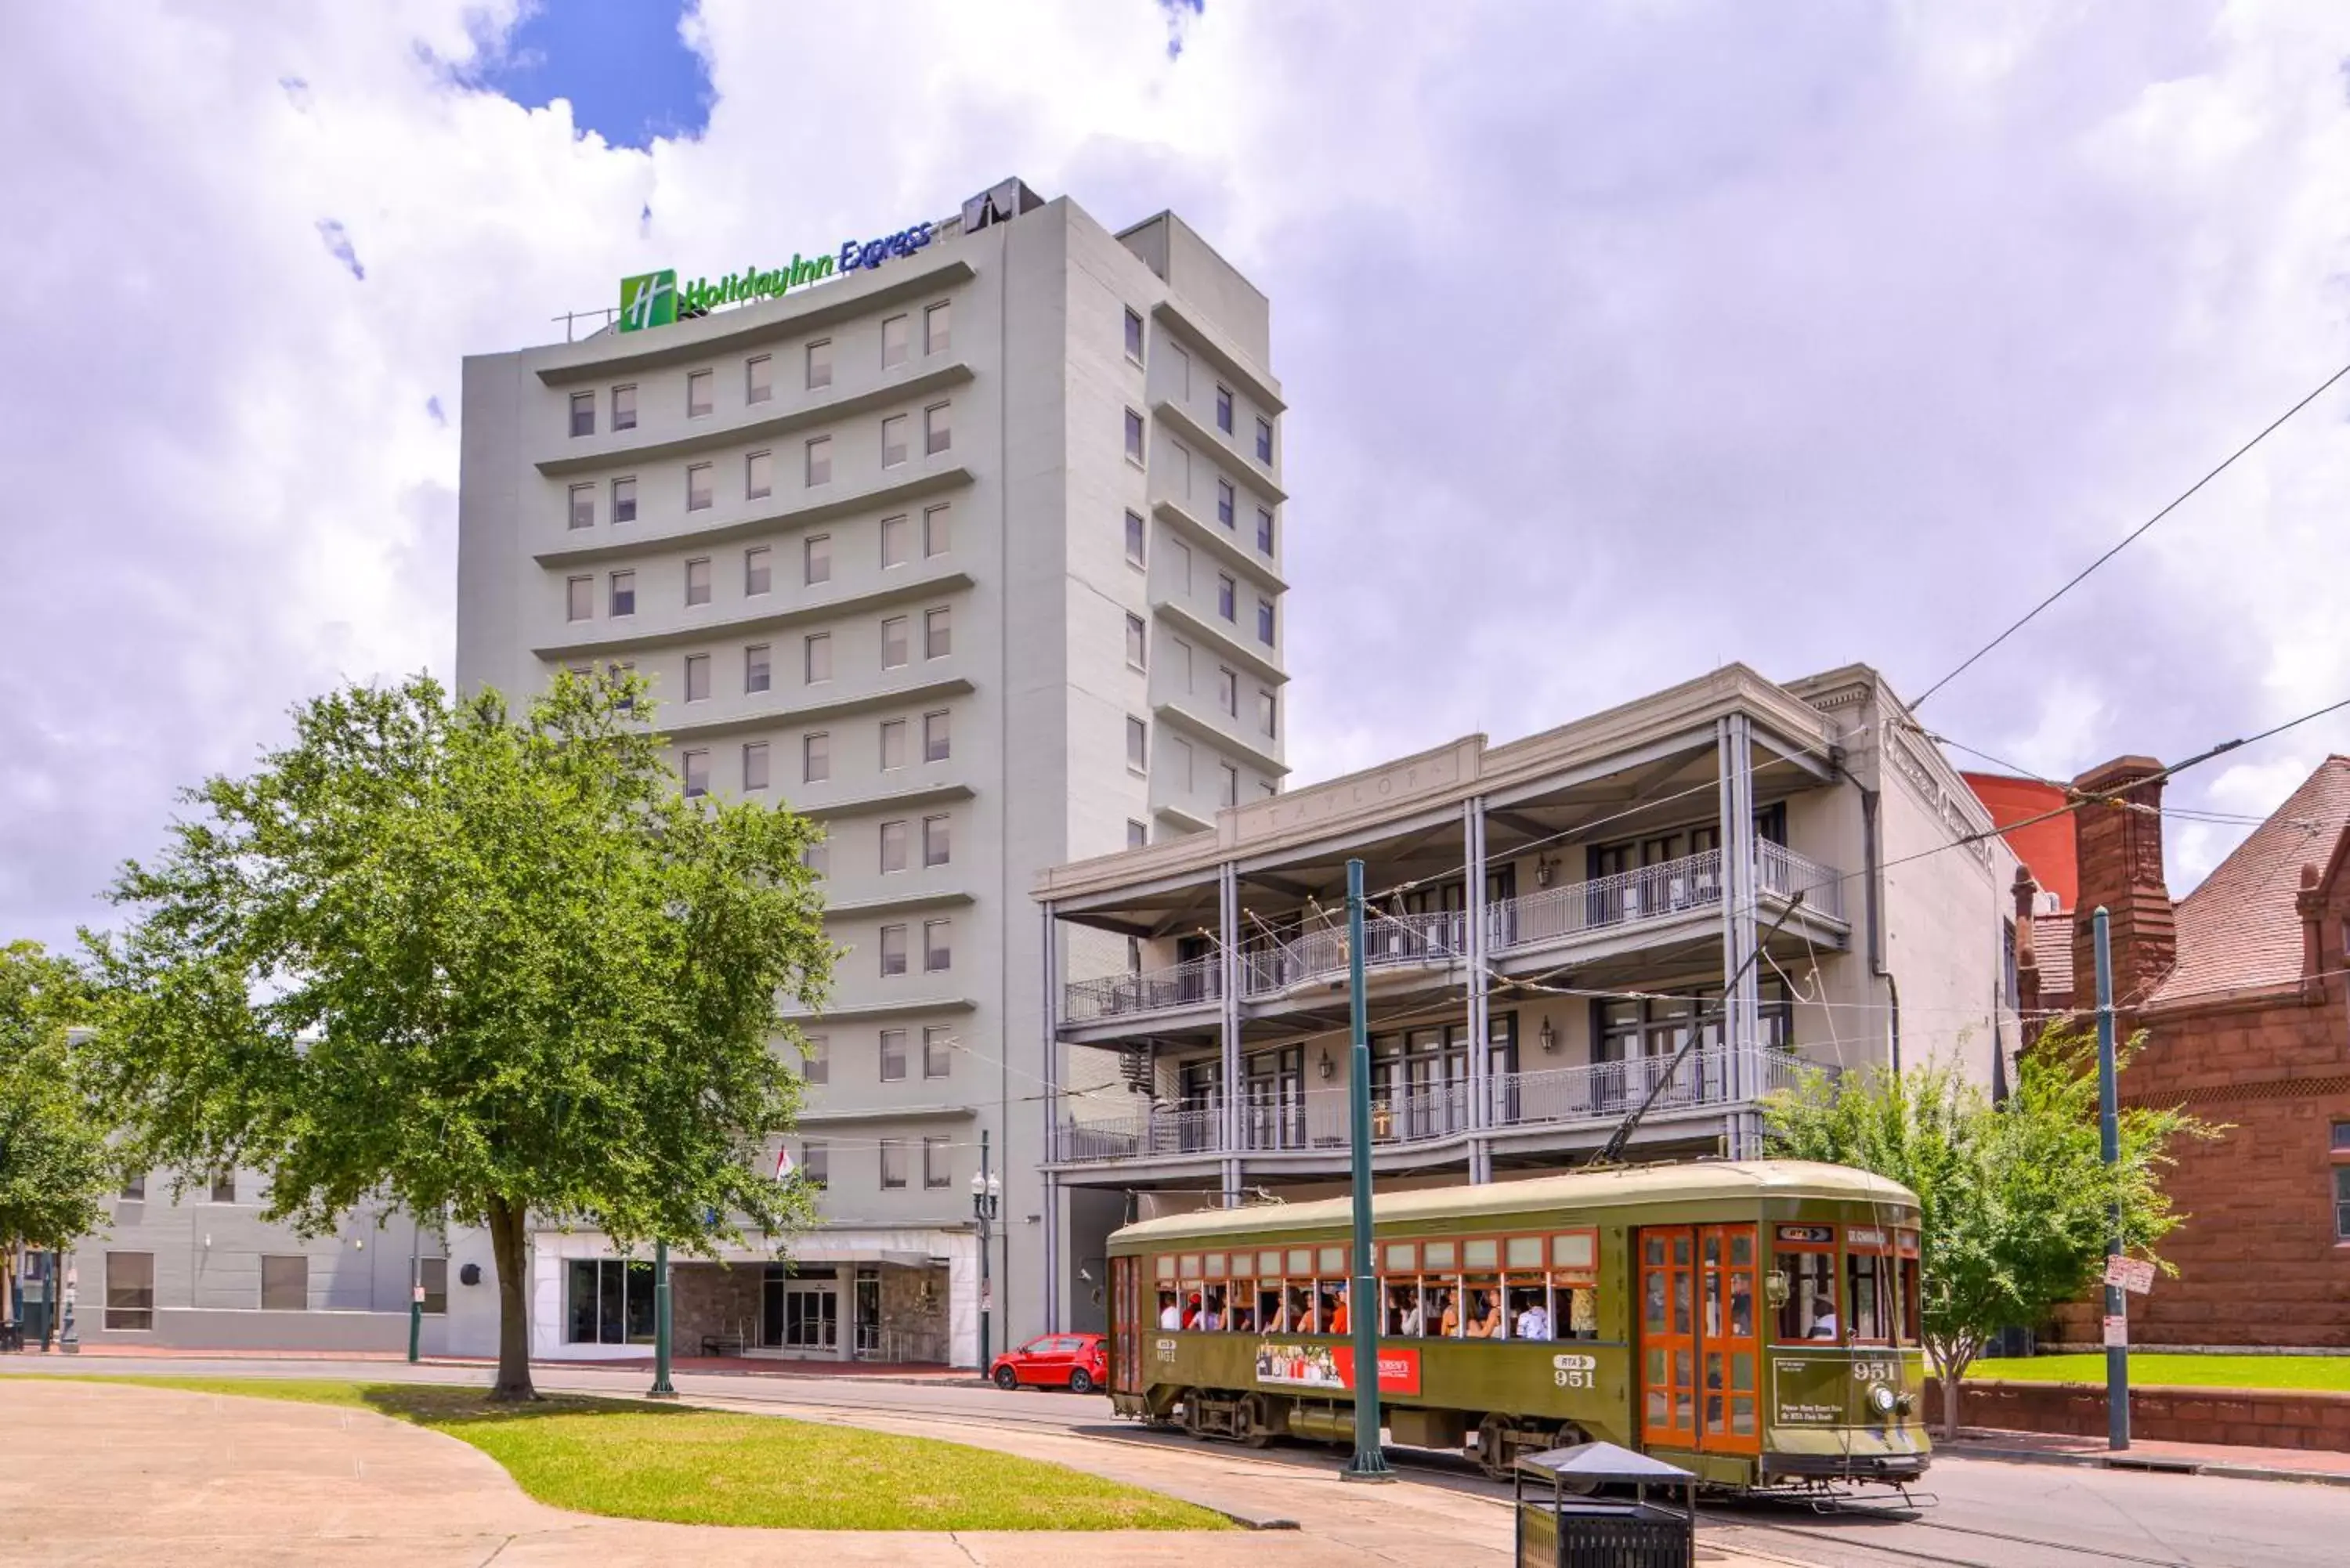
(1877,1372)
(1574,1371)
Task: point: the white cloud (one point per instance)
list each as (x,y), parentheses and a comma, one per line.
(1621,342)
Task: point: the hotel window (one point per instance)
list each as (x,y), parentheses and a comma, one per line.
(1265,712)
(1138,744)
(816,757)
(937,429)
(819,467)
(816,1162)
(1264,530)
(1265,622)
(893,642)
(758,379)
(893,950)
(1264,441)
(131,1290)
(818,658)
(759,475)
(938,328)
(1133,436)
(758,569)
(754,765)
(893,1162)
(697,774)
(583,413)
(758,668)
(937,841)
(816,559)
(816,1058)
(893,845)
(697,581)
(893,542)
(1228,693)
(698,487)
(624,407)
(1134,539)
(698,394)
(579,598)
(938,1052)
(817,858)
(134,1186)
(937,1165)
(1227,598)
(1224,409)
(618,672)
(938,946)
(697,678)
(938,633)
(893,341)
(610,1301)
(1232,793)
(583,506)
(1224,501)
(893,1056)
(893,442)
(432,1275)
(624,593)
(285,1284)
(1136,643)
(937,742)
(893,744)
(938,529)
(819,364)
(624,501)
(1137,833)
(225,1188)
(1134,336)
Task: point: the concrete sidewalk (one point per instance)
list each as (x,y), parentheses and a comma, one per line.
(2321,1466)
(110,1473)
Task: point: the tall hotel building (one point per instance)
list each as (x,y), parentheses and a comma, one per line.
(972,554)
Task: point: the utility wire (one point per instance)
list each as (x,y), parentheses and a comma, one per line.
(2130,538)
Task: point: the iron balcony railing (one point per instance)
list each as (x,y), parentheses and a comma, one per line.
(1270,968)
(1311,1120)
(1654,892)
(1187,984)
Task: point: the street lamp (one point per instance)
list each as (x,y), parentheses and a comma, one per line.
(986,1201)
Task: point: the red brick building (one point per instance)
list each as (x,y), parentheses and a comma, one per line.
(2242,992)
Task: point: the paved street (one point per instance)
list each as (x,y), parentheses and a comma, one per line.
(1990,1513)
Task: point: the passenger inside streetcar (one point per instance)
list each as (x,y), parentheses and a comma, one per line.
(1447,1321)
(1333,1311)
(1531,1318)
(1403,1311)
(1213,1316)
(1270,1318)
(1169,1315)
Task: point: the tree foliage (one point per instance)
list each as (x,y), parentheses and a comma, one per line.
(2016,1198)
(56,1172)
(478,964)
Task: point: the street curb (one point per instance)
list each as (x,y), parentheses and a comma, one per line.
(2148,1465)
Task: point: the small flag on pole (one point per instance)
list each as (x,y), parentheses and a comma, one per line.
(783,1160)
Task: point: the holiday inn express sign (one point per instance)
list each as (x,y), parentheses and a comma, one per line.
(656,299)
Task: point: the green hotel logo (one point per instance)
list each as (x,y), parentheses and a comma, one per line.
(648,300)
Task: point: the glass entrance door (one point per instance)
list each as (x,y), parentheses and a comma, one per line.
(865,1320)
(811,1317)
(1668,1337)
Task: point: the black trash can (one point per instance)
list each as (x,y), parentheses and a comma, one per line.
(1568,1528)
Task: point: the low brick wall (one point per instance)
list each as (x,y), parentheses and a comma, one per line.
(2256,1417)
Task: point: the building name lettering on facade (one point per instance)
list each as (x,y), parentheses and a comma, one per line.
(656,298)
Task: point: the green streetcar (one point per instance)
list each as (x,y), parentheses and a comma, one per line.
(1755,1321)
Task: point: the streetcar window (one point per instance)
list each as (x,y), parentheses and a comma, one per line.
(1301,1309)
(1191,1302)
(1403,1257)
(1439,1255)
(1268,1265)
(1190,1266)
(1440,1303)
(1573,1311)
(1485,1253)
(1810,1310)
(1528,1308)
(1244,1265)
(1524,1252)
(1268,1309)
(1166,1271)
(1242,1317)
(1301,1261)
(1906,1286)
(1211,1318)
(1404,1321)
(1577,1253)
(1170,1310)
(1215,1265)
(1480,1317)
(1867,1297)
(1333,1262)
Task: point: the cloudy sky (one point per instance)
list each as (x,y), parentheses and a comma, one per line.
(1621,339)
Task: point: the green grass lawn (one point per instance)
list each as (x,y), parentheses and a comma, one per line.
(2153,1367)
(635,1459)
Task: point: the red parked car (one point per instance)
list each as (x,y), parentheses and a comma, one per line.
(1076,1362)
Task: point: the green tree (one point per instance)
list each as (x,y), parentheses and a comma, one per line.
(2015,1199)
(490,966)
(55,1169)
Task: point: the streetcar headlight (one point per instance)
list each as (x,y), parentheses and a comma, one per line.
(1881,1399)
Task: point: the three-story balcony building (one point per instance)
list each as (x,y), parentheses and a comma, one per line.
(1767,875)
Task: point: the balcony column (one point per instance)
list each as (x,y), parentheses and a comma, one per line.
(1053,1114)
(1481,1086)
(1228,971)
(1734,740)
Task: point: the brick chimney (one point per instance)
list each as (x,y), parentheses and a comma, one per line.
(2118,844)
(2027,952)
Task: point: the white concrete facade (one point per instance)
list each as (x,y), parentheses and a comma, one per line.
(932,636)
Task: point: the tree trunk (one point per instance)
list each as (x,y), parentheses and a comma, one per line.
(1953,1371)
(508,1236)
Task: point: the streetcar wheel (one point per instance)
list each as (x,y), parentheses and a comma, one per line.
(1256,1428)
(1192,1420)
(1081,1381)
(1006,1378)
(1494,1453)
